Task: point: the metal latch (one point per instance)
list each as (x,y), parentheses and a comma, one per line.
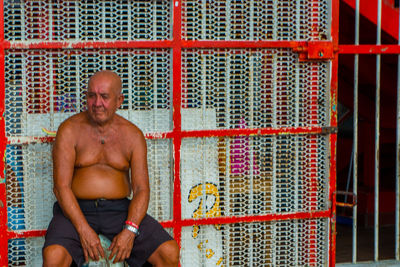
(316,50)
(329,130)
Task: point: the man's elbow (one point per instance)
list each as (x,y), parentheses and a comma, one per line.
(55,191)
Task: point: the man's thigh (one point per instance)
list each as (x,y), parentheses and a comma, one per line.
(62,232)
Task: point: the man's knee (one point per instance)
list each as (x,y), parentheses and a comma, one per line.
(172,252)
(166,255)
(56,255)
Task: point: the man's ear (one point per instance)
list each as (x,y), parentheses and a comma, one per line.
(120,100)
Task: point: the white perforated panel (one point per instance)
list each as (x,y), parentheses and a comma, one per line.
(256,20)
(243,88)
(240,176)
(29,182)
(281,243)
(87,20)
(221,88)
(45,87)
(25,252)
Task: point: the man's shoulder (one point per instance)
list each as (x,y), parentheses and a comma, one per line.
(129,129)
(127,125)
(73,122)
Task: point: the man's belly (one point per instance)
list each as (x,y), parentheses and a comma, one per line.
(99,182)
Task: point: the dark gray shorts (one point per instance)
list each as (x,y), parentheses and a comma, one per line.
(106,217)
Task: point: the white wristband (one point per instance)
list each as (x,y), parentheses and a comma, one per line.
(132,229)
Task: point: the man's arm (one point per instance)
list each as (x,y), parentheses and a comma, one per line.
(122,244)
(64,155)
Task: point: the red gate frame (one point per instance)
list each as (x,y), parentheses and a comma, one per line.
(177,44)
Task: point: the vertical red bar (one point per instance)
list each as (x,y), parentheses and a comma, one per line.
(176,117)
(333,136)
(3,141)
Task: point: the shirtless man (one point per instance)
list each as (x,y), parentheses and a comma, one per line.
(99,159)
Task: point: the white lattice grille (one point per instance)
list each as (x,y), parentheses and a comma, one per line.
(29,186)
(221,89)
(256,20)
(25,252)
(278,243)
(30,183)
(255,175)
(159,158)
(87,20)
(45,87)
(243,88)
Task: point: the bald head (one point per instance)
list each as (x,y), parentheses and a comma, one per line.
(103,96)
(110,76)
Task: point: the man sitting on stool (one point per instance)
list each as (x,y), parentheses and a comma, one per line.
(98,158)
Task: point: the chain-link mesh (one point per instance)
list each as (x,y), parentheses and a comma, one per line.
(277,243)
(87,20)
(243,88)
(45,87)
(255,175)
(255,20)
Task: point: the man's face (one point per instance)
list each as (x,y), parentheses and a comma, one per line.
(103,98)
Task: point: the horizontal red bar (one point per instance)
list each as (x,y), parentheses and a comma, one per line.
(154,44)
(369,49)
(243,44)
(256,218)
(25,234)
(205,221)
(23,140)
(85,45)
(168,224)
(261,131)
(188,134)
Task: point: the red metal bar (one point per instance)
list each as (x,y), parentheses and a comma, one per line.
(333,137)
(369,49)
(332,189)
(24,140)
(298,46)
(25,234)
(260,131)
(176,116)
(3,224)
(244,44)
(85,45)
(3,141)
(152,44)
(206,221)
(256,218)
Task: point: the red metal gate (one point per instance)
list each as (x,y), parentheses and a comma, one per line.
(236,98)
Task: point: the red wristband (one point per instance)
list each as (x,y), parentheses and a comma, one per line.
(132,224)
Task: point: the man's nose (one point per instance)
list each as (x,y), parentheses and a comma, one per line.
(97,102)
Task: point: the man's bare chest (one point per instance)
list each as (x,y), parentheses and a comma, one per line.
(112,154)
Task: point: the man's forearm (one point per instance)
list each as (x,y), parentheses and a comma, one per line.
(70,207)
(138,206)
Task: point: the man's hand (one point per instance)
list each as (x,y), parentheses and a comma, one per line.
(122,245)
(91,244)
